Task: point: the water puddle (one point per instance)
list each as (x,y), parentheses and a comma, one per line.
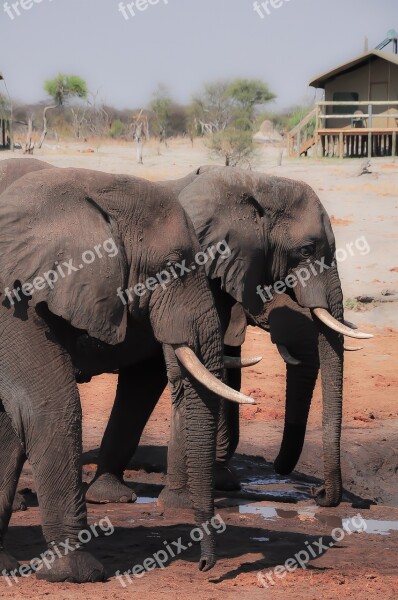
(145,500)
(374,527)
(291,496)
(253,480)
(260,539)
(266,512)
(367,526)
(270,513)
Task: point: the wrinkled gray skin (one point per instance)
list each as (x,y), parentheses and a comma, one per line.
(266,202)
(267,221)
(79,324)
(273,226)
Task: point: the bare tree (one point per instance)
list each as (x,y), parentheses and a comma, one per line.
(79,119)
(212,110)
(44,133)
(140,129)
(29,144)
(161,107)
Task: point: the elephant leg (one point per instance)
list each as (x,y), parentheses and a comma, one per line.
(40,396)
(228,430)
(146,381)
(11,463)
(19,503)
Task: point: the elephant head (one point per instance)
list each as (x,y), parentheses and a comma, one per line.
(92,247)
(12,169)
(281,241)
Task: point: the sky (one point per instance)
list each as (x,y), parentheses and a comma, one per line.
(183,44)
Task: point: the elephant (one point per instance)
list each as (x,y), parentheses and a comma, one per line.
(80,256)
(290,324)
(106,488)
(275,228)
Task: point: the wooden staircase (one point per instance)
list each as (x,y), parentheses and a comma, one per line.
(305,146)
(302,137)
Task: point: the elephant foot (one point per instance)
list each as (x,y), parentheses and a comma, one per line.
(322,499)
(179,499)
(19,503)
(8,563)
(108,489)
(225,480)
(77,567)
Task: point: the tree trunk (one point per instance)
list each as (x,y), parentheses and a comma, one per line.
(43,135)
(29,145)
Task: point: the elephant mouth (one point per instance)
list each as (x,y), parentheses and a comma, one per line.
(326,318)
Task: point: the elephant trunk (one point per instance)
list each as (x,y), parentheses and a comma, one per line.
(198,407)
(201,417)
(293,327)
(300,383)
(331,354)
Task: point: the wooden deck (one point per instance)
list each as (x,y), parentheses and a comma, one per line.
(311,136)
(356,143)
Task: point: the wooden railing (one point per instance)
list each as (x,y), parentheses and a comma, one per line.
(302,135)
(364,135)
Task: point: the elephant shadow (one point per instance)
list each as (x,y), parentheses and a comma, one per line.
(127,547)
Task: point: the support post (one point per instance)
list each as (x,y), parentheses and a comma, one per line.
(370,123)
(341,145)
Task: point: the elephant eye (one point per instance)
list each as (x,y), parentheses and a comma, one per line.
(307,251)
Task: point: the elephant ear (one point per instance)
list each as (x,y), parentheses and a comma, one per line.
(228,219)
(57,239)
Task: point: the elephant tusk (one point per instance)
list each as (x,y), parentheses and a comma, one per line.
(287,357)
(327,319)
(350,325)
(352,348)
(233,362)
(193,365)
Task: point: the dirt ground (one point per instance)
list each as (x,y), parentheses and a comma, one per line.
(273,518)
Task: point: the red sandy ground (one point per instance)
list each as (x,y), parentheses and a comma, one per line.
(360,566)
